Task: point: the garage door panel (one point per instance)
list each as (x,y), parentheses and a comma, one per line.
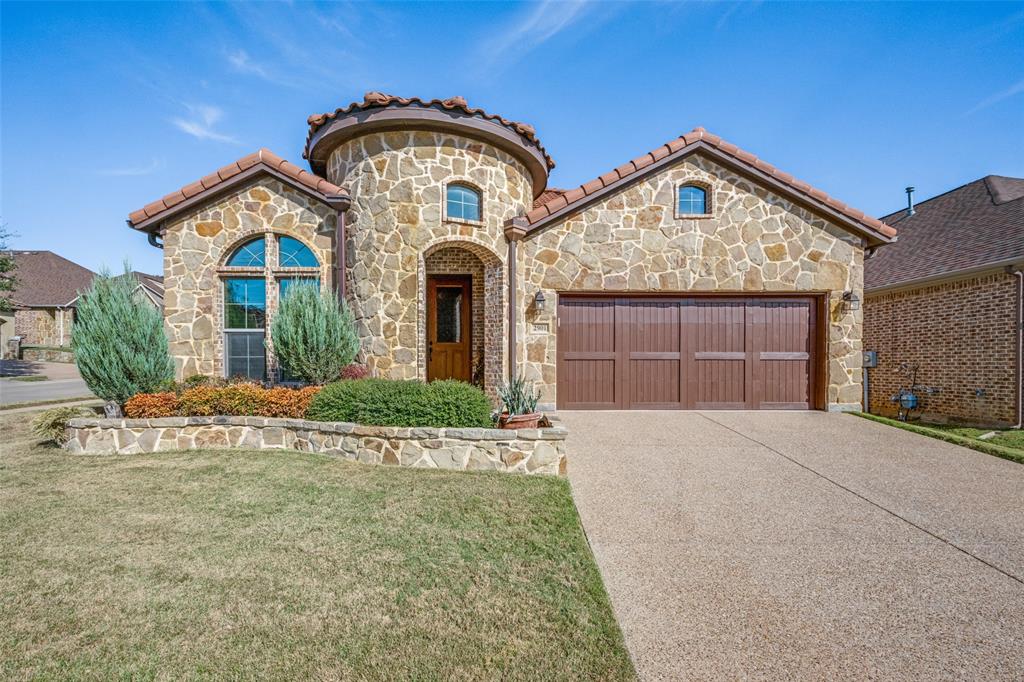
(782,339)
(652,340)
(588,359)
(716,353)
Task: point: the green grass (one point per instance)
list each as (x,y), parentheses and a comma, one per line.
(1008,445)
(288,565)
(84,400)
(30,377)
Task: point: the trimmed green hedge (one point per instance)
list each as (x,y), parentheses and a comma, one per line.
(388,402)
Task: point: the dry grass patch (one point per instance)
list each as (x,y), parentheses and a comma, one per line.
(289,565)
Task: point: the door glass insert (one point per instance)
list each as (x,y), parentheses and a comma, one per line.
(449,314)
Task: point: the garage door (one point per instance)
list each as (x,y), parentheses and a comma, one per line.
(686,353)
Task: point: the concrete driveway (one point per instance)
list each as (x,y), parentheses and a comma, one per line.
(801,545)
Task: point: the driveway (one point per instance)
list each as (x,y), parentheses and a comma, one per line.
(801,545)
(62,381)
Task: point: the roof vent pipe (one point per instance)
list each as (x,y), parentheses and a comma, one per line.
(910,201)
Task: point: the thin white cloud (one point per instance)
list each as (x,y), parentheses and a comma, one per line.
(744,7)
(1015,89)
(134,171)
(240,61)
(545,21)
(201,121)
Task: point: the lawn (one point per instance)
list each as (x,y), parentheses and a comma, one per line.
(1008,444)
(290,565)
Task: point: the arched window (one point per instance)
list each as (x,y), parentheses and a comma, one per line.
(249,301)
(252,254)
(463,203)
(294,254)
(693,200)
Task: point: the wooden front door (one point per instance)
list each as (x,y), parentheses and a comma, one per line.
(449,328)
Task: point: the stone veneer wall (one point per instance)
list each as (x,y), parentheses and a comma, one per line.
(962,337)
(41,326)
(528,451)
(754,241)
(397,181)
(196,247)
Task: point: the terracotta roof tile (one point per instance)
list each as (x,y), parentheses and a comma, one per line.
(547,195)
(208,182)
(379,100)
(543,210)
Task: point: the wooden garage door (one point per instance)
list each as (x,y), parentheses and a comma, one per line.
(686,352)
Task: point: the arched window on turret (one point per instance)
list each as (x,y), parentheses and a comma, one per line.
(462,202)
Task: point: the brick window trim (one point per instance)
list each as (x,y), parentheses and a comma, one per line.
(709,206)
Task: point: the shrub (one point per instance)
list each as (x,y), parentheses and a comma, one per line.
(386,402)
(119,342)
(152,405)
(243,400)
(355,371)
(200,401)
(51,425)
(314,334)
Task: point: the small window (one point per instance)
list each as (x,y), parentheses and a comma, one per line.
(463,203)
(693,200)
(245,303)
(252,254)
(294,254)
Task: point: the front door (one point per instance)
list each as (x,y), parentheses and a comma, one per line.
(449,336)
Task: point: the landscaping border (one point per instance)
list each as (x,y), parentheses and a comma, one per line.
(974,444)
(530,451)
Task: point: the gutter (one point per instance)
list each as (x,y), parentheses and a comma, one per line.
(1020,346)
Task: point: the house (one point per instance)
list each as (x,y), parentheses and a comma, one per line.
(694,276)
(946,299)
(44,297)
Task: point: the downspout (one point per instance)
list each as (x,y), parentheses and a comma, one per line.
(153,236)
(515,230)
(1020,347)
(60,314)
(340,203)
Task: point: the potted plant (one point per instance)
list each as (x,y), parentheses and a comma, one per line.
(519,403)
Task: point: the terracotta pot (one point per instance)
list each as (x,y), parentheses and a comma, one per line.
(520,421)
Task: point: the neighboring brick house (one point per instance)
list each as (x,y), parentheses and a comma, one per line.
(946,298)
(696,275)
(44,299)
(46,296)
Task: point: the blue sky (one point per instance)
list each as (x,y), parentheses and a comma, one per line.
(106,107)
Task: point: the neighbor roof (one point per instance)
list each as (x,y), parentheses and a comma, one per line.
(973,226)
(698,138)
(151,215)
(376,100)
(46,280)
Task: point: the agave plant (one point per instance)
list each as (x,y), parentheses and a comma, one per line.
(518,396)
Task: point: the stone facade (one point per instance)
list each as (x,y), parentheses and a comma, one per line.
(528,451)
(398,181)
(197,246)
(751,241)
(44,326)
(962,337)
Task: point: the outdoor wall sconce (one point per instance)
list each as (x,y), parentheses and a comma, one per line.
(539,301)
(850,301)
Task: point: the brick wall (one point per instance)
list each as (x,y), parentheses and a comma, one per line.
(962,335)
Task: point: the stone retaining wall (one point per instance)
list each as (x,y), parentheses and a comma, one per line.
(46,355)
(530,451)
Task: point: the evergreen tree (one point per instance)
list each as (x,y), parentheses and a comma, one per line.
(8,282)
(314,335)
(119,342)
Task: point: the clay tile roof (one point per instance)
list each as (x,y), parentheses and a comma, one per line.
(973,226)
(542,209)
(380,99)
(547,195)
(263,157)
(45,280)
